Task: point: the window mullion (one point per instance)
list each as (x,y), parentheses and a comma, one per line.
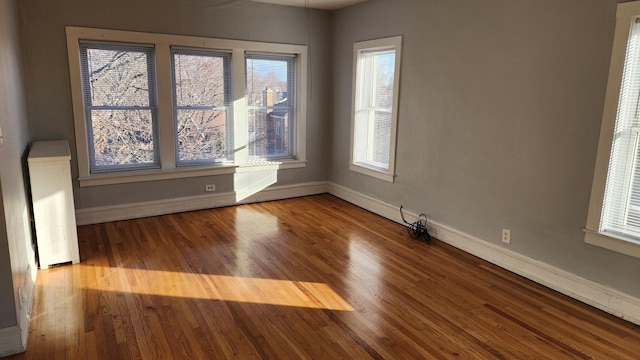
(240,118)
(166,132)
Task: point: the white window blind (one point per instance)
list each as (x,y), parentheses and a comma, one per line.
(120,106)
(374,100)
(202,102)
(621,207)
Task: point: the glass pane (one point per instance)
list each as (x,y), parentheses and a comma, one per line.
(267,82)
(384,73)
(376,75)
(201,135)
(118,77)
(268,132)
(374,92)
(199,80)
(373,138)
(380,138)
(122,137)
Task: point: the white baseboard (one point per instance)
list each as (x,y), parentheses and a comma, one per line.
(161,207)
(28,288)
(11,341)
(587,291)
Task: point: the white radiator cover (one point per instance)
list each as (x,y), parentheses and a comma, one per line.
(53,209)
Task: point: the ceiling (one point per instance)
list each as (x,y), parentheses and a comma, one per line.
(315,4)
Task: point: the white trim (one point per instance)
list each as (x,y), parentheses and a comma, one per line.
(378,174)
(165,121)
(186,172)
(160,207)
(11,341)
(394,43)
(604,298)
(613,242)
(24,316)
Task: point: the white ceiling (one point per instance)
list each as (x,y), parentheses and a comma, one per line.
(315,4)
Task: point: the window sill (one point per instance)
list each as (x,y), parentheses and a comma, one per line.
(372,172)
(613,242)
(185,172)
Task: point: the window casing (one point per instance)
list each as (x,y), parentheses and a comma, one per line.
(171,160)
(613,220)
(375,107)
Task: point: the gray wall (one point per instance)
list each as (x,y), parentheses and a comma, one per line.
(500,110)
(47,73)
(16,253)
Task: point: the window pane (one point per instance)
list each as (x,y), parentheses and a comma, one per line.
(373,138)
(122,137)
(119,93)
(201,135)
(199,80)
(268,132)
(373,118)
(202,97)
(270,98)
(267,82)
(117,77)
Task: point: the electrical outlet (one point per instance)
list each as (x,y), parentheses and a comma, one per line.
(506,236)
(209,188)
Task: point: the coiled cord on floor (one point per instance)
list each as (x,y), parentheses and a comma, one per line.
(417,229)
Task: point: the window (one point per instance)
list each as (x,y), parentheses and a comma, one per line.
(155,106)
(270,97)
(120,106)
(614,212)
(202,105)
(375,107)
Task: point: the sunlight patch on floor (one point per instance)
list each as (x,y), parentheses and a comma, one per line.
(220,287)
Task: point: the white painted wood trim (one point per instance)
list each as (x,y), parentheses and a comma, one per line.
(609,300)
(11,341)
(394,42)
(162,44)
(161,207)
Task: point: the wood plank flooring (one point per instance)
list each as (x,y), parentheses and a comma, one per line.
(305,278)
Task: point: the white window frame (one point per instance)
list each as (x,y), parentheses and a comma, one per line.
(370,169)
(166,129)
(228,90)
(151,107)
(626,14)
(292,101)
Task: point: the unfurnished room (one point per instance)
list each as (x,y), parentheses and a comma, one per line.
(319,179)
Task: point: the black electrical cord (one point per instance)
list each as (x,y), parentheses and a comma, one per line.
(417,229)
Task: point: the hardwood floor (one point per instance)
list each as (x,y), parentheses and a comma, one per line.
(306,278)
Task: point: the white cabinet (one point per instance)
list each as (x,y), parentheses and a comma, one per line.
(53,210)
